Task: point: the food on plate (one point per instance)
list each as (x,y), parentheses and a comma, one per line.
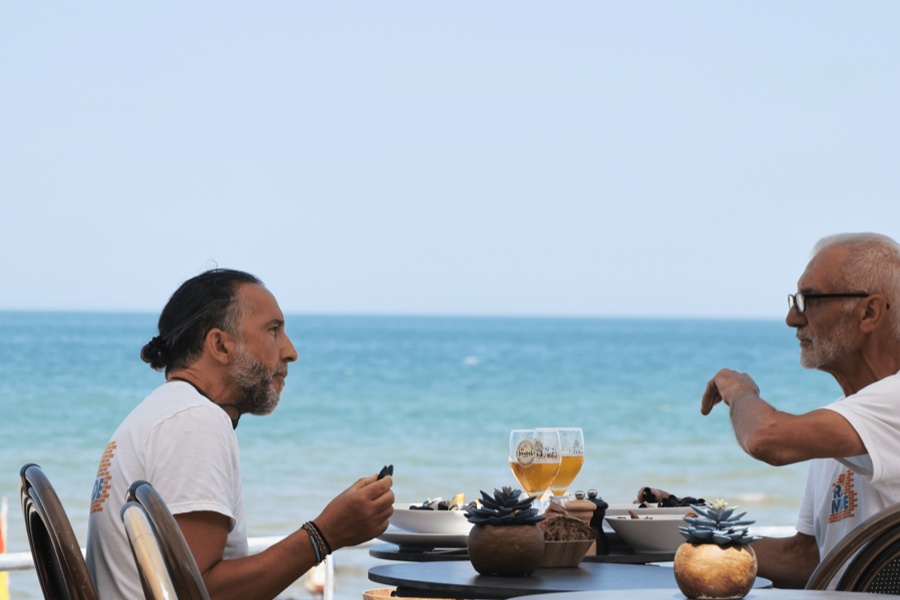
(457,503)
(648,495)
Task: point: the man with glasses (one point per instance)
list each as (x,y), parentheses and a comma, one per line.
(847,317)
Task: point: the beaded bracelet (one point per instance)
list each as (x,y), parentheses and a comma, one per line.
(314,542)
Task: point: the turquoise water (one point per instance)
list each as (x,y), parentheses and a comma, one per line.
(436,397)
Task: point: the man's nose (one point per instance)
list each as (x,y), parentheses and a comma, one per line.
(795,318)
(289,353)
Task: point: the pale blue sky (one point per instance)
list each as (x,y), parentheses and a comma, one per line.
(521,158)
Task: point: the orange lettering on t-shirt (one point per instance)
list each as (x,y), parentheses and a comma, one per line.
(843,498)
(103,481)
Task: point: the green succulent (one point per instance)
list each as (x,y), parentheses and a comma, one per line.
(720,526)
(504,508)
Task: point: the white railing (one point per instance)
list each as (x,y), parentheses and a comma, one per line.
(22,561)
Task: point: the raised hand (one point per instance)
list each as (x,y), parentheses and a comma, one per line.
(726,386)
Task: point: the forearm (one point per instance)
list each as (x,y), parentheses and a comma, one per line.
(262,576)
(788,562)
(754,421)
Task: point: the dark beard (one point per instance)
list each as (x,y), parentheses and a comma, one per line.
(255,383)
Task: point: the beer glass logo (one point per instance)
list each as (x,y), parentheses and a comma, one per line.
(538,450)
(525,453)
(577,448)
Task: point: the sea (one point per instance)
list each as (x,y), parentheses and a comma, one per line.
(436,397)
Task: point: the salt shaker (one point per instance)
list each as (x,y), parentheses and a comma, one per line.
(584,510)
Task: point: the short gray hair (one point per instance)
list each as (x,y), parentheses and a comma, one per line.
(873,266)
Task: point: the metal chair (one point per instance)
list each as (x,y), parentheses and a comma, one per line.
(871,553)
(57,556)
(163,558)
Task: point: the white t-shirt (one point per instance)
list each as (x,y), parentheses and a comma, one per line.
(840,494)
(182,444)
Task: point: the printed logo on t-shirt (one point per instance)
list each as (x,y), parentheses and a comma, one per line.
(843,498)
(103,481)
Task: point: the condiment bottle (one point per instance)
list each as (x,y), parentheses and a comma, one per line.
(584,510)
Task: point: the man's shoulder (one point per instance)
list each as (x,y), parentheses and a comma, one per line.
(173,400)
(886,388)
(889,384)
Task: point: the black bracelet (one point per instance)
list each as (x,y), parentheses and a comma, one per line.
(322,537)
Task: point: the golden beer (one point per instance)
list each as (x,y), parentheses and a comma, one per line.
(569,467)
(536,476)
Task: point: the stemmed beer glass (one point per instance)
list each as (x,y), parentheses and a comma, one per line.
(534,457)
(571,443)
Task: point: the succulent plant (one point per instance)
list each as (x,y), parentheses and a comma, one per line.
(719,525)
(504,508)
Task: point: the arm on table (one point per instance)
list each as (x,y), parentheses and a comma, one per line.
(777,437)
(788,562)
(357,515)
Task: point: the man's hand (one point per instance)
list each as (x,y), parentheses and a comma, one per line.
(726,386)
(359,513)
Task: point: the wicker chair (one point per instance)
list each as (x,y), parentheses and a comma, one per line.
(163,558)
(57,556)
(871,553)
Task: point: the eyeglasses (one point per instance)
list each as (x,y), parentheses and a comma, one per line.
(799,299)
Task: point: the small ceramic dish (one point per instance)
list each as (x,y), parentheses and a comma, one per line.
(655,535)
(429,521)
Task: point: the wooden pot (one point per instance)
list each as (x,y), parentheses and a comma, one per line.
(508,550)
(713,571)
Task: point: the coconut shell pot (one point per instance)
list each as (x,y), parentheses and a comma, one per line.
(717,560)
(509,551)
(505,539)
(713,571)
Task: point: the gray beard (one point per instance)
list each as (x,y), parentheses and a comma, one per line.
(824,351)
(255,383)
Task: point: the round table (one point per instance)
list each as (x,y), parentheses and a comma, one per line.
(675,594)
(617,554)
(457,579)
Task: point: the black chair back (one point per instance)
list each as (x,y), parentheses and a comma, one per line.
(57,556)
(179,562)
(871,553)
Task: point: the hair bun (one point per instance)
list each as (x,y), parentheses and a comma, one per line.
(155,353)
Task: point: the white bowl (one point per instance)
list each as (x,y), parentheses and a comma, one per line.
(651,536)
(429,521)
(616,510)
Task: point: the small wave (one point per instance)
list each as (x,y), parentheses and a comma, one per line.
(753,498)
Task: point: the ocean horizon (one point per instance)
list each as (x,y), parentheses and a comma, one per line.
(435,396)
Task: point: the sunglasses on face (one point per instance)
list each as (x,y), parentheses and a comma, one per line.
(799,299)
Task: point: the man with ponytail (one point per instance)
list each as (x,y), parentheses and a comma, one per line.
(225,353)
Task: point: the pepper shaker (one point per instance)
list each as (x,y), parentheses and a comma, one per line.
(597,521)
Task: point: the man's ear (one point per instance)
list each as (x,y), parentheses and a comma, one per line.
(875,313)
(220,346)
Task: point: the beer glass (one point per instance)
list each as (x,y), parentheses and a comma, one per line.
(571,444)
(534,458)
